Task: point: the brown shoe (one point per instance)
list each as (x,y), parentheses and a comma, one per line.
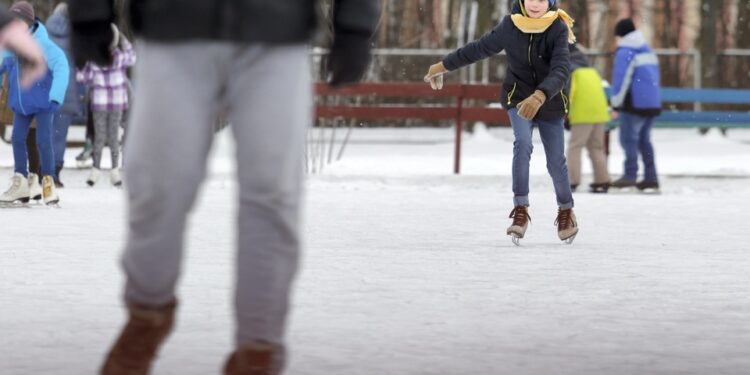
(258,358)
(567,226)
(521,219)
(139,341)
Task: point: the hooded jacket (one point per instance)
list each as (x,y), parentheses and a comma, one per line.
(535,62)
(58,27)
(635,77)
(50,88)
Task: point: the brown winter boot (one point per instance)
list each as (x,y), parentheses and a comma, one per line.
(139,341)
(567,226)
(521,219)
(258,358)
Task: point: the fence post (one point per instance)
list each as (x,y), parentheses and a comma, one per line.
(459,130)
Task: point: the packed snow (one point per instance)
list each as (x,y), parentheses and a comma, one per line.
(407,268)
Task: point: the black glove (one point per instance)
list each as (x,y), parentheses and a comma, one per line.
(90,42)
(349,58)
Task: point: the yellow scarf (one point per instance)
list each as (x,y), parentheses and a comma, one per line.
(540,25)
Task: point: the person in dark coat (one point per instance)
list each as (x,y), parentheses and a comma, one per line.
(249,60)
(535,37)
(58,27)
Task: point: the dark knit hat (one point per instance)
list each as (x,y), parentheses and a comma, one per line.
(624,27)
(24,11)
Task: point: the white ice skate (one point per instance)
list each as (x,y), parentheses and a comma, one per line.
(567,225)
(115,177)
(93,177)
(521,219)
(48,191)
(18,191)
(35,190)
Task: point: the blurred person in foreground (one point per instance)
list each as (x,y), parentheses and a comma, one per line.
(198,58)
(636,95)
(535,37)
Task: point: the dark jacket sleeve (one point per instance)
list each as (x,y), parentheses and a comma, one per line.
(489,44)
(83,11)
(559,71)
(356,16)
(5,17)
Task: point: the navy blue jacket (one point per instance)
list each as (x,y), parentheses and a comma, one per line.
(535,62)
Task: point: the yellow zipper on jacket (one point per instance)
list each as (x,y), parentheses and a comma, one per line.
(513,90)
(531,39)
(565,101)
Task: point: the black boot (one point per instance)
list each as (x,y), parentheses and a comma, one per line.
(58,183)
(622,182)
(599,188)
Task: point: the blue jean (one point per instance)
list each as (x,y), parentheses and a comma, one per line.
(21,124)
(553,139)
(635,137)
(60,126)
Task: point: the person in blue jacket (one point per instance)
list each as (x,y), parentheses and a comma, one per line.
(535,37)
(58,26)
(636,94)
(40,101)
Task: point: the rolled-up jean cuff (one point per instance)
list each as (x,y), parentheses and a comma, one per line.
(521,200)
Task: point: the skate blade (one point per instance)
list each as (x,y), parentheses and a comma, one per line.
(569,240)
(650,192)
(16,204)
(515,239)
(53,204)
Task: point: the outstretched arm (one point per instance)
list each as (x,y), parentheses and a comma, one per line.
(489,44)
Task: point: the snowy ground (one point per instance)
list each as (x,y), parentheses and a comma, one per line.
(408,270)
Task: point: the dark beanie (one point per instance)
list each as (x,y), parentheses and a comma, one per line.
(624,27)
(24,11)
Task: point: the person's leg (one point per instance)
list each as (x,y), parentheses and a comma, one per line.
(647,151)
(522,148)
(100,137)
(60,125)
(579,134)
(44,142)
(552,133)
(167,157)
(595,147)
(113,139)
(21,124)
(270,108)
(630,125)
(35,162)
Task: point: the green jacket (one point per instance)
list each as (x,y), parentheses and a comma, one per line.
(588,101)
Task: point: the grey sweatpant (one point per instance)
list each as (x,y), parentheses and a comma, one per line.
(106,131)
(266,92)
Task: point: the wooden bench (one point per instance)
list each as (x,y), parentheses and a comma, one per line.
(466,103)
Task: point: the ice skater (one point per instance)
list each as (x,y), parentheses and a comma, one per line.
(535,37)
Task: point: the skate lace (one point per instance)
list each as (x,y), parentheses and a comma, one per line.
(564,219)
(520,216)
(15,185)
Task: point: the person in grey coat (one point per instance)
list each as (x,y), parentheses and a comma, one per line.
(198,58)
(58,27)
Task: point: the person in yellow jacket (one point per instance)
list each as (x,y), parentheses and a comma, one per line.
(589,113)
